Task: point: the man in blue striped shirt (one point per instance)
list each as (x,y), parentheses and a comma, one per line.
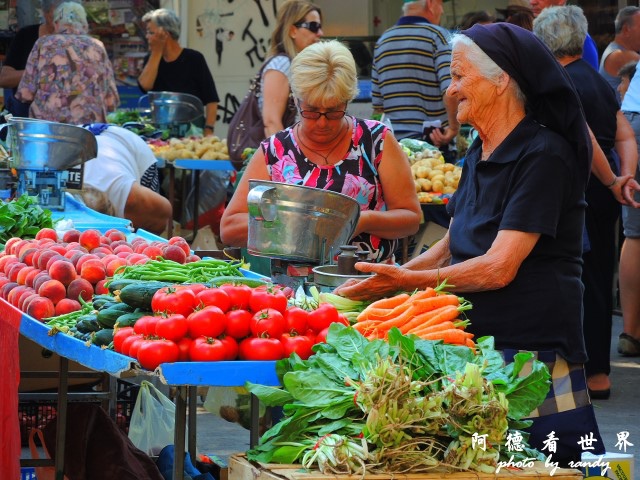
(410,76)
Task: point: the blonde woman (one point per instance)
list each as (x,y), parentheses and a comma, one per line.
(299,25)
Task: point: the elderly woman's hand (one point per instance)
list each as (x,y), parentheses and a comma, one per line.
(387,281)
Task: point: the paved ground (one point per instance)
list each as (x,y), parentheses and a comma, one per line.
(619,413)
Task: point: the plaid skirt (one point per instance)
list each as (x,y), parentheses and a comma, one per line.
(566,413)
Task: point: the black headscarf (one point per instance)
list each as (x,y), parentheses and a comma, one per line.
(551,97)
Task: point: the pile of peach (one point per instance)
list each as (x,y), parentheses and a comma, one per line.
(46,276)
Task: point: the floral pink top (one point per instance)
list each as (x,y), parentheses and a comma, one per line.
(355,176)
(69,79)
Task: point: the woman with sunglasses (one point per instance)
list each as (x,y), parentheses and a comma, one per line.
(331,150)
(299,25)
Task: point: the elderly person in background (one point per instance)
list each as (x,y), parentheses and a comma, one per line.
(68,77)
(170,67)
(16,60)
(563,30)
(514,244)
(333,151)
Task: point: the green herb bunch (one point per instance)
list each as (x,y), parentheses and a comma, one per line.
(22,217)
(358,406)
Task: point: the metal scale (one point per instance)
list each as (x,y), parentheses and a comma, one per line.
(173,111)
(48,158)
(302,230)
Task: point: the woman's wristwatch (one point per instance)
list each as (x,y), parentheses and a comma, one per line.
(208,127)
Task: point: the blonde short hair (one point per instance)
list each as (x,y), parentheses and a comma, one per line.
(324,73)
(289,13)
(71,14)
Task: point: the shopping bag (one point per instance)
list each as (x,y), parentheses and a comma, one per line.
(153,420)
(42,473)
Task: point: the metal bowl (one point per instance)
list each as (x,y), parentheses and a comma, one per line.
(169,108)
(39,144)
(328,276)
(298,223)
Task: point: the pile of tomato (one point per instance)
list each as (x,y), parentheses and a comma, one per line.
(233,321)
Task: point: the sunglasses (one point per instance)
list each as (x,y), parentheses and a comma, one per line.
(313,27)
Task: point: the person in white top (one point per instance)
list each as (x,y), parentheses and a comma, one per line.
(118,182)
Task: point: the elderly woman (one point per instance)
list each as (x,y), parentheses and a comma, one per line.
(68,76)
(563,30)
(170,67)
(330,150)
(515,239)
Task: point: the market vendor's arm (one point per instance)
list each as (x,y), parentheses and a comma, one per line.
(275,96)
(601,169)
(147,78)
(627,149)
(235,219)
(147,209)
(211,114)
(491,271)
(10,77)
(402,216)
(450,132)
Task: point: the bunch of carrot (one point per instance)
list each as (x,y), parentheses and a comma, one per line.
(429,314)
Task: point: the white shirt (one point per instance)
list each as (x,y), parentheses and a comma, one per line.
(122,159)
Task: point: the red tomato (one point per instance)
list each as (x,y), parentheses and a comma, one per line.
(299,344)
(268,322)
(134,346)
(174,300)
(296,319)
(184,344)
(126,344)
(196,288)
(239,295)
(253,348)
(207,322)
(321,337)
(232,346)
(238,323)
(267,297)
(173,327)
(322,317)
(146,325)
(119,337)
(152,353)
(214,296)
(207,349)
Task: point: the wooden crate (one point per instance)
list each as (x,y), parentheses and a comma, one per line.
(242,469)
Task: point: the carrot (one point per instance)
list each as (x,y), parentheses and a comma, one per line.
(426,293)
(397,320)
(433,328)
(452,336)
(366,325)
(437,301)
(394,312)
(432,317)
(389,303)
(470,343)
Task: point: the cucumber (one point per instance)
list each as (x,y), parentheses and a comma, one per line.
(100,301)
(108,317)
(237,280)
(103,337)
(129,319)
(119,283)
(88,323)
(139,294)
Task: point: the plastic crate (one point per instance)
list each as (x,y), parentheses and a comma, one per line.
(36,414)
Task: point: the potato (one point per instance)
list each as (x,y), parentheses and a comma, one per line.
(425,184)
(437,187)
(448,189)
(417,185)
(423,172)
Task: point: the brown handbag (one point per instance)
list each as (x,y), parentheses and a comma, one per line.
(246,129)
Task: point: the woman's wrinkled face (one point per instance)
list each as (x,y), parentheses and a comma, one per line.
(473,92)
(302,36)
